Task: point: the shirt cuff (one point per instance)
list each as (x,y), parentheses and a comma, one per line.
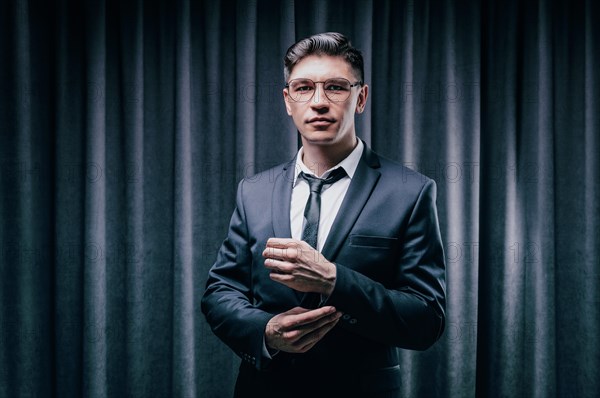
(267,352)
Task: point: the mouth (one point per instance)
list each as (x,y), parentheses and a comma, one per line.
(321,121)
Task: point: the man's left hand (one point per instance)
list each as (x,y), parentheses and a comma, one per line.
(297,265)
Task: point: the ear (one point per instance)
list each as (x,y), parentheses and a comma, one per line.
(286,100)
(362,99)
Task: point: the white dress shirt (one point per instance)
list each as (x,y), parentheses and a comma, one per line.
(331,195)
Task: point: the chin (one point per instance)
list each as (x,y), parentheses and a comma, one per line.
(320,137)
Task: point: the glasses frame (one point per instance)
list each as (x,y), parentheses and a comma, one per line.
(357,83)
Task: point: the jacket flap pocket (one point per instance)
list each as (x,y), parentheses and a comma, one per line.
(372,241)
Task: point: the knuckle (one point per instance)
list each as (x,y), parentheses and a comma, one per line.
(290,324)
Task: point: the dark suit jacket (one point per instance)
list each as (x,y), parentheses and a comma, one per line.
(386,245)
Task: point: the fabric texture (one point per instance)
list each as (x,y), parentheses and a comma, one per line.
(125,127)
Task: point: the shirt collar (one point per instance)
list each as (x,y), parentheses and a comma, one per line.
(349,164)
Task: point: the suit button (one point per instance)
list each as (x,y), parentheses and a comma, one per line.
(353,321)
(345,317)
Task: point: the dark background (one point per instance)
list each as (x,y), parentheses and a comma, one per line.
(125,126)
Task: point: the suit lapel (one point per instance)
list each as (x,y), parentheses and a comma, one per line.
(281,201)
(362,184)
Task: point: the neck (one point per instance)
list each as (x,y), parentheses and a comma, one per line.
(320,158)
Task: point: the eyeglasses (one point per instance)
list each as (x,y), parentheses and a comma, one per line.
(336,90)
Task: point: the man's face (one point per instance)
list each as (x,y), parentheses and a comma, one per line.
(320,120)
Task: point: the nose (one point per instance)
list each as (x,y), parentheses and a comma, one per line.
(319,99)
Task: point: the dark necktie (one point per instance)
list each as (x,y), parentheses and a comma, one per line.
(312,213)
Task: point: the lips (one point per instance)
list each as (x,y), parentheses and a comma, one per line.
(320,120)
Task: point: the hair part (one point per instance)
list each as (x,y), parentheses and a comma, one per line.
(330,43)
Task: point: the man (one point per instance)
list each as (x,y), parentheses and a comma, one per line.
(319,280)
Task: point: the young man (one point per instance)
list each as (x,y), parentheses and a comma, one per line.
(335,262)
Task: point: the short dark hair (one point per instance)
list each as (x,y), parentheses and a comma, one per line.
(330,43)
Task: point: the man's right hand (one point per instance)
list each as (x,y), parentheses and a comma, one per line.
(299,329)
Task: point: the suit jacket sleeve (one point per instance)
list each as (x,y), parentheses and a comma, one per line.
(226,302)
(407,312)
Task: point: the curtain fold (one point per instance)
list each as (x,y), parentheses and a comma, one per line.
(131,89)
(125,127)
(535,309)
(183,362)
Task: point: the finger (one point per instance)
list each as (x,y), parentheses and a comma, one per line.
(310,339)
(294,338)
(278,266)
(277,321)
(298,316)
(286,244)
(308,317)
(296,334)
(296,310)
(288,253)
(322,321)
(286,279)
(282,243)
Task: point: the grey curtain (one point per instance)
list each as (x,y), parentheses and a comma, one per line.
(125,126)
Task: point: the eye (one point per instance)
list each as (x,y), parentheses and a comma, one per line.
(302,85)
(303,88)
(336,86)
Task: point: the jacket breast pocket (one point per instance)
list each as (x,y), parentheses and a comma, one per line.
(371,241)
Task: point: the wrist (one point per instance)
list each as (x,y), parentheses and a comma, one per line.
(330,280)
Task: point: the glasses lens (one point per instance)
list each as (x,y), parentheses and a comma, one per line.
(337,90)
(301,90)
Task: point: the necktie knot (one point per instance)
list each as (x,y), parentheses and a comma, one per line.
(312,210)
(316,184)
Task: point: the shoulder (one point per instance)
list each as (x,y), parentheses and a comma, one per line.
(263,181)
(402,177)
